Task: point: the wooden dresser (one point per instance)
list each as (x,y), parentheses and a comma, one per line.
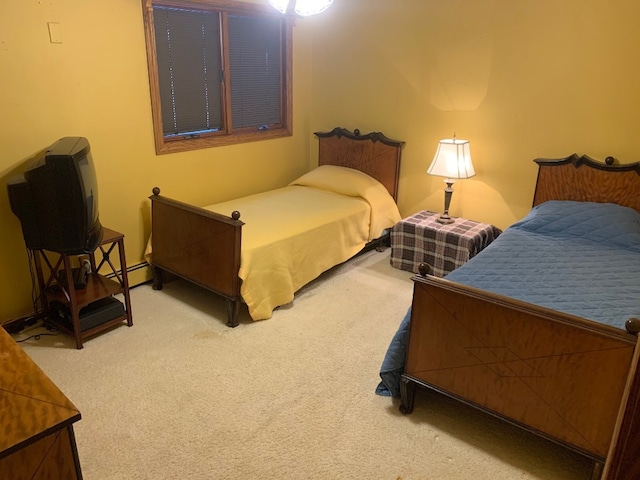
(36,421)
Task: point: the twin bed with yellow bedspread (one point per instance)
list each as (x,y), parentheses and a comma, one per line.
(260,249)
(323,218)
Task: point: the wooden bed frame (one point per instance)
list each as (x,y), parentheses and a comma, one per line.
(512,359)
(204,247)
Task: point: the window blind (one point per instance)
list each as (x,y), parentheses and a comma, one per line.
(255,70)
(188,54)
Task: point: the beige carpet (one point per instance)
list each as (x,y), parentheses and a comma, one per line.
(181,396)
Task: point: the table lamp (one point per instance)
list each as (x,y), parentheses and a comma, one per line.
(453,161)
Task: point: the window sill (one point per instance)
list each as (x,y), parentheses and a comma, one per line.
(174,146)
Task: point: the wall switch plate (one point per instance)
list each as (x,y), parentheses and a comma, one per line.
(55,34)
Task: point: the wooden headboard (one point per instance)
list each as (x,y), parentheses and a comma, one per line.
(373,153)
(583,179)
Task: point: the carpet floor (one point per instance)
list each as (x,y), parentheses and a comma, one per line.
(181,396)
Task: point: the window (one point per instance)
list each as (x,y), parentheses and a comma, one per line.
(219,73)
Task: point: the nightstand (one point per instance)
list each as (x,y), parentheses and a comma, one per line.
(420,238)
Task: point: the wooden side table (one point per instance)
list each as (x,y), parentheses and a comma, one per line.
(36,420)
(84,312)
(421,239)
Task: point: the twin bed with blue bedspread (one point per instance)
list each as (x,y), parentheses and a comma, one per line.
(541,327)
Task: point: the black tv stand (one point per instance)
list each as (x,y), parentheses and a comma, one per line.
(60,286)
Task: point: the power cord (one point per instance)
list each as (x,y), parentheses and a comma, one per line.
(37,336)
(35,297)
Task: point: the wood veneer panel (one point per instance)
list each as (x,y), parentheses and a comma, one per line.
(202,246)
(29,401)
(373,153)
(50,458)
(36,420)
(585,180)
(552,373)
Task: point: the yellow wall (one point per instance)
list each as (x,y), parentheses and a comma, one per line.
(519,79)
(95,84)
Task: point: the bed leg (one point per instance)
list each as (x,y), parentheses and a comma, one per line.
(233,310)
(158,278)
(596,471)
(407,394)
(383,242)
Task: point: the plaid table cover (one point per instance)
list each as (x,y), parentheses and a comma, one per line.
(420,238)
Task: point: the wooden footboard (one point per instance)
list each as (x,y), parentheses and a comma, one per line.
(559,376)
(197,245)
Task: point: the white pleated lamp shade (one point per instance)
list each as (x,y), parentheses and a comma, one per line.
(452,159)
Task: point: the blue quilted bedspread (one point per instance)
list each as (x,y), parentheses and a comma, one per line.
(579,258)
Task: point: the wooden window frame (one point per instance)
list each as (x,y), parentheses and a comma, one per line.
(228,135)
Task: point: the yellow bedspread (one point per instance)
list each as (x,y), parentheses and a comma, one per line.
(293,234)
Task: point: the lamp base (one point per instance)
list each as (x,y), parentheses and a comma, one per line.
(445,219)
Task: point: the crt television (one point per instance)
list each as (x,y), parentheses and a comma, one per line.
(56,199)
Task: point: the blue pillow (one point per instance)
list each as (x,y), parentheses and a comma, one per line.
(605,223)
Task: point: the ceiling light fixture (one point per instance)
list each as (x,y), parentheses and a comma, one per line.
(301,7)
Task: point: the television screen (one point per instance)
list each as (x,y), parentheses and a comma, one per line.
(56,199)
